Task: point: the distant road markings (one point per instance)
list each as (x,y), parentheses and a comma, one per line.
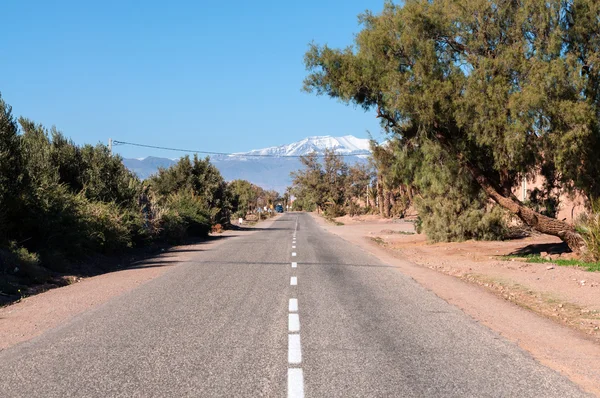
(294,350)
(295,383)
(295,387)
(293,322)
(293,307)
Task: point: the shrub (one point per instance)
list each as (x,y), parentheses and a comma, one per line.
(105,226)
(449,220)
(172,227)
(239,214)
(19,261)
(588,225)
(332,209)
(190,208)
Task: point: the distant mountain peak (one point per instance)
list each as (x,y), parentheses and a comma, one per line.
(271,172)
(346,145)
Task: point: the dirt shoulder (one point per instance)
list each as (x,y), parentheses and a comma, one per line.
(546,311)
(34,315)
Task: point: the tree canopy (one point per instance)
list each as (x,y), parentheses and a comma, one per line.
(503,87)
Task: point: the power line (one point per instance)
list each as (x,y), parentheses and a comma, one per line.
(115,142)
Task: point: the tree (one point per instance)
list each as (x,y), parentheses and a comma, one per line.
(307,184)
(502,87)
(243,197)
(11,171)
(202,179)
(358,181)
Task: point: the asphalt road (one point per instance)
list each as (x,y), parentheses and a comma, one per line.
(223,325)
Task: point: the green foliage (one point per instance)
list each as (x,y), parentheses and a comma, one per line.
(246,197)
(18,260)
(536,258)
(104,225)
(63,202)
(505,88)
(191,209)
(588,224)
(11,171)
(330,185)
(202,179)
(451,206)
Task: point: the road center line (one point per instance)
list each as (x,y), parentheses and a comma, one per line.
(293,281)
(293,307)
(293,323)
(294,254)
(293,247)
(294,350)
(295,383)
(294,265)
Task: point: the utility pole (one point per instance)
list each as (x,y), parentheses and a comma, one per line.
(110,146)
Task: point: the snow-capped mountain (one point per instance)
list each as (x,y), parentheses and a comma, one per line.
(272,171)
(347,145)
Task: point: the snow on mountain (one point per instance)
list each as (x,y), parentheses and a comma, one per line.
(347,145)
(272,172)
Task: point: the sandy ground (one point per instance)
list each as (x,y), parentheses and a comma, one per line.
(34,315)
(550,311)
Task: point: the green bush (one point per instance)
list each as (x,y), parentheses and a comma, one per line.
(63,226)
(173,228)
(104,224)
(334,210)
(445,220)
(19,261)
(191,210)
(239,214)
(588,225)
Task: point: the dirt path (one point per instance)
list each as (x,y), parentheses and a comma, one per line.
(34,315)
(459,273)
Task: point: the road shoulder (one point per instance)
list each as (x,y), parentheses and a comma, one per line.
(32,316)
(558,347)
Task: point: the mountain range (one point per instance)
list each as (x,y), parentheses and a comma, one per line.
(269,168)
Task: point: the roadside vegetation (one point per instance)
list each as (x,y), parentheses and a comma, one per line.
(63,204)
(475,97)
(331,186)
(536,258)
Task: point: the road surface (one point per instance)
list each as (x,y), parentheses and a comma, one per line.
(290,310)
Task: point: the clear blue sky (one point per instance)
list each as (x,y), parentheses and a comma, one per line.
(210,75)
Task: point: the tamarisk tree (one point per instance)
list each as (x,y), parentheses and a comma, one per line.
(505,87)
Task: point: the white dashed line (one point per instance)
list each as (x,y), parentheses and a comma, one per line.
(294,350)
(293,323)
(295,375)
(295,383)
(293,307)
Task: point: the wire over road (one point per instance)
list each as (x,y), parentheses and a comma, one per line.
(116,142)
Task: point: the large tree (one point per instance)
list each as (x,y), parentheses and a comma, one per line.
(504,87)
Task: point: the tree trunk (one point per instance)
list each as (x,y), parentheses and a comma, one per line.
(537,221)
(371,200)
(386,204)
(380,196)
